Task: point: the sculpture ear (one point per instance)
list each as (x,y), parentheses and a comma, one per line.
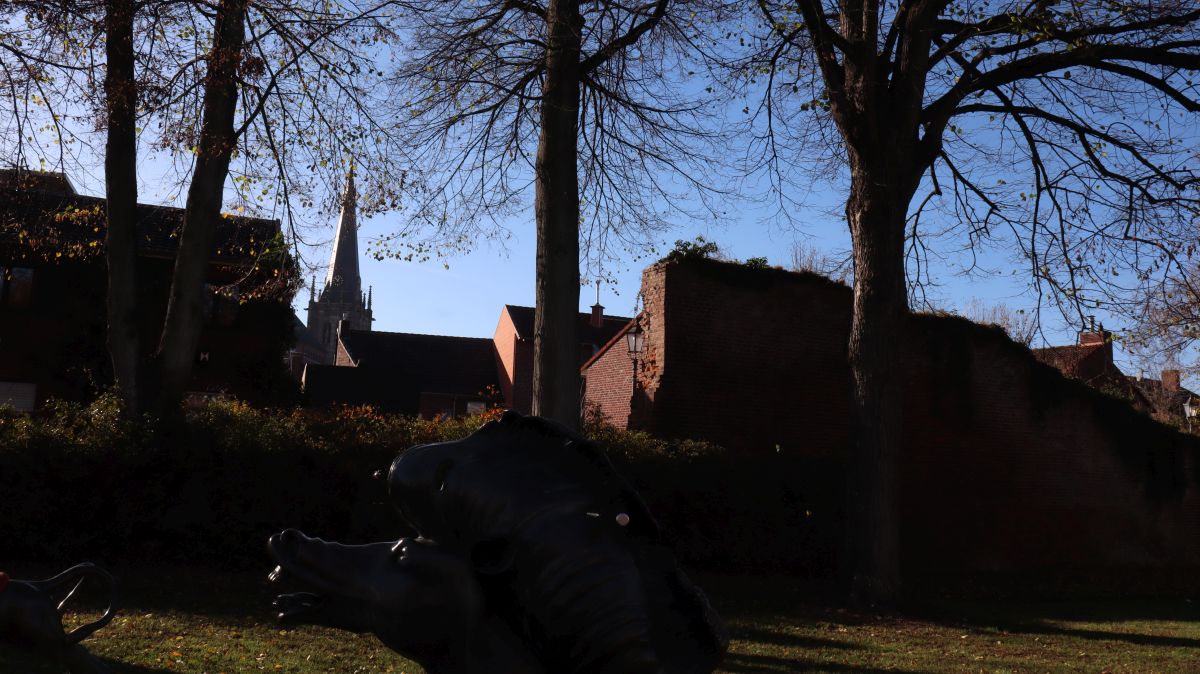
(492,556)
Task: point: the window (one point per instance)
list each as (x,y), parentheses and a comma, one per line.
(16,286)
(20,396)
(476,407)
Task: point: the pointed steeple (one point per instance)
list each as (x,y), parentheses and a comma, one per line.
(342,282)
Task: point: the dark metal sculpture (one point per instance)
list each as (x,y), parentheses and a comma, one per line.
(31,617)
(534,556)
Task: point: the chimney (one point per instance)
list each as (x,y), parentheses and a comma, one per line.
(1170,380)
(1101,336)
(597,319)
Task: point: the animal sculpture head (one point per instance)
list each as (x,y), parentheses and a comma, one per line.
(31,617)
(534,555)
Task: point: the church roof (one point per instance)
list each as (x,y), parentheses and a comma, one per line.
(395,368)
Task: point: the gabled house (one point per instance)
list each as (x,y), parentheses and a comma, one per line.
(1168,401)
(52,296)
(1091,362)
(514,348)
(434,375)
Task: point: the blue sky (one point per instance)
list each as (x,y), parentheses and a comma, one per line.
(463,295)
(465,298)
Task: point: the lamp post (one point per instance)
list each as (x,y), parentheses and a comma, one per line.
(635,340)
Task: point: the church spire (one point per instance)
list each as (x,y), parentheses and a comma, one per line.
(342,282)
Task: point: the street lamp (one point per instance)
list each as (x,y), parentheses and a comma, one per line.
(635,340)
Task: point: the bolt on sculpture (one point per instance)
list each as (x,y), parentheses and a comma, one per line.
(31,617)
(534,557)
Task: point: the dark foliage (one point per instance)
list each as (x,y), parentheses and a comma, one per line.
(79,483)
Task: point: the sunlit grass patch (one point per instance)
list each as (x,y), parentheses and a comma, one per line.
(206,622)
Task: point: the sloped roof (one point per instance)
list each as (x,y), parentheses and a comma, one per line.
(52,182)
(393,369)
(1170,402)
(522,318)
(42,209)
(1092,364)
(1083,361)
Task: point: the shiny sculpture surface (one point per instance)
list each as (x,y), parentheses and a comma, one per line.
(534,556)
(31,617)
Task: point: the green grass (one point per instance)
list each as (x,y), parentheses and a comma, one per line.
(196,620)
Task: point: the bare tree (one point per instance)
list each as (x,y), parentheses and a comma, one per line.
(811,259)
(1020,325)
(1169,320)
(583,99)
(1061,130)
(272,98)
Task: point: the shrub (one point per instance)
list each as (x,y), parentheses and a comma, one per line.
(80,483)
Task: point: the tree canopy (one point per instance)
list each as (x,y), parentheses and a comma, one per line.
(1063,130)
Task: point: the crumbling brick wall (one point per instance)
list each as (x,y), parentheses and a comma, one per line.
(1009,469)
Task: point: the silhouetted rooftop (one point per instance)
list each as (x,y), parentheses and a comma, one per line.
(41,209)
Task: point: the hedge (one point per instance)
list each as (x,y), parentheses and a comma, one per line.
(77,482)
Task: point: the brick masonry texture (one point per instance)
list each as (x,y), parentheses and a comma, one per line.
(1009,469)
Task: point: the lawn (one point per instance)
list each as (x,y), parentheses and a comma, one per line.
(196,620)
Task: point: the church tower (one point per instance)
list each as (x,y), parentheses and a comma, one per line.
(342,298)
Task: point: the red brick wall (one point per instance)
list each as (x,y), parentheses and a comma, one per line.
(343,359)
(749,359)
(516,363)
(1012,470)
(608,385)
(1009,468)
(505,339)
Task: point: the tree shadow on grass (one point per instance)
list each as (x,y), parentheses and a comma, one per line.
(1036,619)
(737,663)
(1100,635)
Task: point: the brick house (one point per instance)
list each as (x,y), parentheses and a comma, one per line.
(1167,400)
(52,296)
(1010,469)
(433,375)
(514,348)
(1091,362)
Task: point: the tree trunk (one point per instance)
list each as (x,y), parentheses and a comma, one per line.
(120,191)
(556,381)
(184,320)
(876,217)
